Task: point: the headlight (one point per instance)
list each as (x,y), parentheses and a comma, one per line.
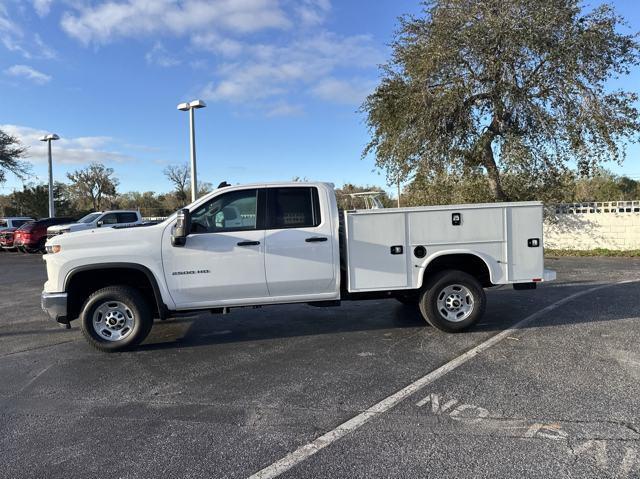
(53,248)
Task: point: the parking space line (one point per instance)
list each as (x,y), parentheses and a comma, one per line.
(308,450)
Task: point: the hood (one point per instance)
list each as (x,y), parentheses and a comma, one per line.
(70,226)
(103,239)
(7,230)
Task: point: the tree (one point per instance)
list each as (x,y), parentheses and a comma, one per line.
(495,86)
(94,183)
(33,201)
(178,175)
(11,154)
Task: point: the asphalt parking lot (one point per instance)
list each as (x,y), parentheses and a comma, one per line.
(229,396)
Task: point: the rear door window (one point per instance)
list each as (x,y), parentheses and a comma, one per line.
(127,217)
(293,207)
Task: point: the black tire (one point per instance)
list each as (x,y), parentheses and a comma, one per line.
(134,309)
(29,250)
(456,295)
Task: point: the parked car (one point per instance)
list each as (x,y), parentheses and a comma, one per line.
(254,245)
(6,239)
(13,222)
(31,237)
(98,220)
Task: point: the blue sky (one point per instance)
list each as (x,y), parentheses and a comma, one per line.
(283,80)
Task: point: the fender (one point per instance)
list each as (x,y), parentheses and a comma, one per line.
(162,307)
(495,270)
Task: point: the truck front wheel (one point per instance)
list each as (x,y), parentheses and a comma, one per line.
(115,318)
(452,301)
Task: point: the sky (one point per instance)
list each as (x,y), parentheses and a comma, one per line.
(283,81)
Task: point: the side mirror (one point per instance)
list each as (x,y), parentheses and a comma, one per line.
(182,228)
(99,224)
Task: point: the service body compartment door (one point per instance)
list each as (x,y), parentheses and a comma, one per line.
(525,249)
(372,263)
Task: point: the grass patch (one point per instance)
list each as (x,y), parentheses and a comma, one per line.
(633,253)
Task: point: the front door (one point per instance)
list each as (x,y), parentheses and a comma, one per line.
(299,254)
(222,261)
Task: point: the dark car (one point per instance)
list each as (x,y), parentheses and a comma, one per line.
(31,237)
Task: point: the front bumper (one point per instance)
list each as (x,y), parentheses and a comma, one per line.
(55,305)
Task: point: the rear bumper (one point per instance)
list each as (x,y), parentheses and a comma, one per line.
(55,305)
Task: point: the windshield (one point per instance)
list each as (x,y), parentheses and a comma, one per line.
(89,218)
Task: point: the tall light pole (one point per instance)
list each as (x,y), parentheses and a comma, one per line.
(190,107)
(49,138)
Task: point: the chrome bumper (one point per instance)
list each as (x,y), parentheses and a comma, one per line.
(55,305)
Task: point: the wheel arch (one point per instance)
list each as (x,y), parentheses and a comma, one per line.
(81,281)
(485,269)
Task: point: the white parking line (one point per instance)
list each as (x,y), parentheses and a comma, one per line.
(308,450)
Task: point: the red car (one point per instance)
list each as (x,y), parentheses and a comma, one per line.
(31,237)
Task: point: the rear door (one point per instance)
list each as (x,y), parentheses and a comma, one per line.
(298,243)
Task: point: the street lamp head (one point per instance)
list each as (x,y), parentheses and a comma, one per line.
(195,104)
(49,137)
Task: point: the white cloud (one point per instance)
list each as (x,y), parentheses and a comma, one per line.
(44,50)
(109,20)
(348,92)
(75,151)
(42,7)
(159,56)
(313,12)
(30,73)
(14,39)
(285,109)
(266,71)
(212,42)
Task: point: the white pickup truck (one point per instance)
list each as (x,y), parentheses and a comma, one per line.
(263,244)
(97,220)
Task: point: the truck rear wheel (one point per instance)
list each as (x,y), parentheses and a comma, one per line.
(452,301)
(115,318)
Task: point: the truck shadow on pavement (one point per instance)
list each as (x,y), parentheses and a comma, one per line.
(505,308)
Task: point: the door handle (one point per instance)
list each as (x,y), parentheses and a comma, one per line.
(248,243)
(316,239)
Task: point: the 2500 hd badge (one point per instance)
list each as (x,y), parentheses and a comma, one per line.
(199,271)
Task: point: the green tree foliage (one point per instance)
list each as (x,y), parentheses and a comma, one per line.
(33,201)
(94,186)
(497,87)
(12,153)
(567,187)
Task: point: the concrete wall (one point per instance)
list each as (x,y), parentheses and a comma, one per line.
(612,225)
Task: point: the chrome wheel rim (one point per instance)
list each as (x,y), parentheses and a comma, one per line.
(455,303)
(113,321)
